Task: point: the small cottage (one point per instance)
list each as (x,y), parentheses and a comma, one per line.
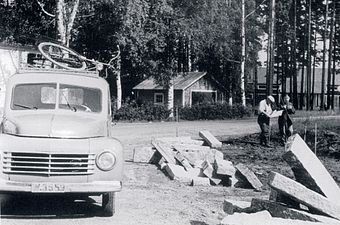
(189,88)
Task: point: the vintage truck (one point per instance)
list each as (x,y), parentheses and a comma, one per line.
(55,137)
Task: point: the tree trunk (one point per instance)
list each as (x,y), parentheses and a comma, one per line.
(60,21)
(243,55)
(322,104)
(314,65)
(309,57)
(333,80)
(270,61)
(302,100)
(118,83)
(255,87)
(329,77)
(64,21)
(170,103)
(295,89)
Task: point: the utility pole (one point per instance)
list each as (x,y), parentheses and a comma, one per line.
(270,61)
(243,55)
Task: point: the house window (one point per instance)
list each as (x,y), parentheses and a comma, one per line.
(206,96)
(159,98)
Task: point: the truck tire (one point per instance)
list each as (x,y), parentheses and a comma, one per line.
(108,204)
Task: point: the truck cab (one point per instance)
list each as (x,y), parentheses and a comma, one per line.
(55,136)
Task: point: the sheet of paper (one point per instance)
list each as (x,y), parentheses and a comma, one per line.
(276,113)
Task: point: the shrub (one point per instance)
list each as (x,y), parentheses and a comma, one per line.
(214,111)
(149,112)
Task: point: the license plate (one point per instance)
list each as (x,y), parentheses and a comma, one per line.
(48,187)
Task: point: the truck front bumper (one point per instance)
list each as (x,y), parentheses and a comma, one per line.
(92,187)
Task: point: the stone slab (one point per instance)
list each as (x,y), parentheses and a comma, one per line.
(249,176)
(187,140)
(143,154)
(308,169)
(218,154)
(279,210)
(165,150)
(191,147)
(288,201)
(210,139)
(259,218)
(224,167)
(208,170)
(200,181)
(183,161)
(235,206)
(177,172)
(303,195)
(194,156)
(196,172)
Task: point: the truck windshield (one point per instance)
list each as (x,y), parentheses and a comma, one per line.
(34,96)
(43,96)
(77,98)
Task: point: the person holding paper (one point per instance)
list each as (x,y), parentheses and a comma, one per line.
(285,122)
(265,112)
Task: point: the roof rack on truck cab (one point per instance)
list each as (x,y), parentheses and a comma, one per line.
(86,73)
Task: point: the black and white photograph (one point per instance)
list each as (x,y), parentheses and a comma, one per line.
(170,112)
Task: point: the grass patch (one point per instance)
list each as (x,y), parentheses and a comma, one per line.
(304,113)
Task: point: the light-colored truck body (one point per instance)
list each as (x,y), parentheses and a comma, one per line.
(55,136)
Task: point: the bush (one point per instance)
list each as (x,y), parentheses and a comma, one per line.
(208,111)
(149,112)
(214,111)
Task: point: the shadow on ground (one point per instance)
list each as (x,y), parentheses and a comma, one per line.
(34,206)
(195,222)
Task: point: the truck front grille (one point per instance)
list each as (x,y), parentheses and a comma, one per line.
(49,164)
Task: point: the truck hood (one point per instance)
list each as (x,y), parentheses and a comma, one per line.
(59,126)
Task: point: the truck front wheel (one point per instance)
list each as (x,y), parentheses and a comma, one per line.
(108,203)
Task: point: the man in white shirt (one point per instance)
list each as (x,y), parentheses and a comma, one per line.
(265,110)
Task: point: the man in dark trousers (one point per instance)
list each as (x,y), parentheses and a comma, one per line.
(265,110)
(285,122)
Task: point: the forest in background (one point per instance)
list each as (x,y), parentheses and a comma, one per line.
(160,38)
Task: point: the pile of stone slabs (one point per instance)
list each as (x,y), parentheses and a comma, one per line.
(196,162)
(313,196)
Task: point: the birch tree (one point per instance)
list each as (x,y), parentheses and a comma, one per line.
(65,14)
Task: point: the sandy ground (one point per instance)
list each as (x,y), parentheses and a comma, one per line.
(148,195)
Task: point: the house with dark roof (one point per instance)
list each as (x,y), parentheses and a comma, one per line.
(258,82)
(189,88)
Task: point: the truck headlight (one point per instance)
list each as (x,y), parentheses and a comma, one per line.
(105,160)
(8,127)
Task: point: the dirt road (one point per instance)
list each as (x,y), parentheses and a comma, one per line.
(148,196)
(139,134)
